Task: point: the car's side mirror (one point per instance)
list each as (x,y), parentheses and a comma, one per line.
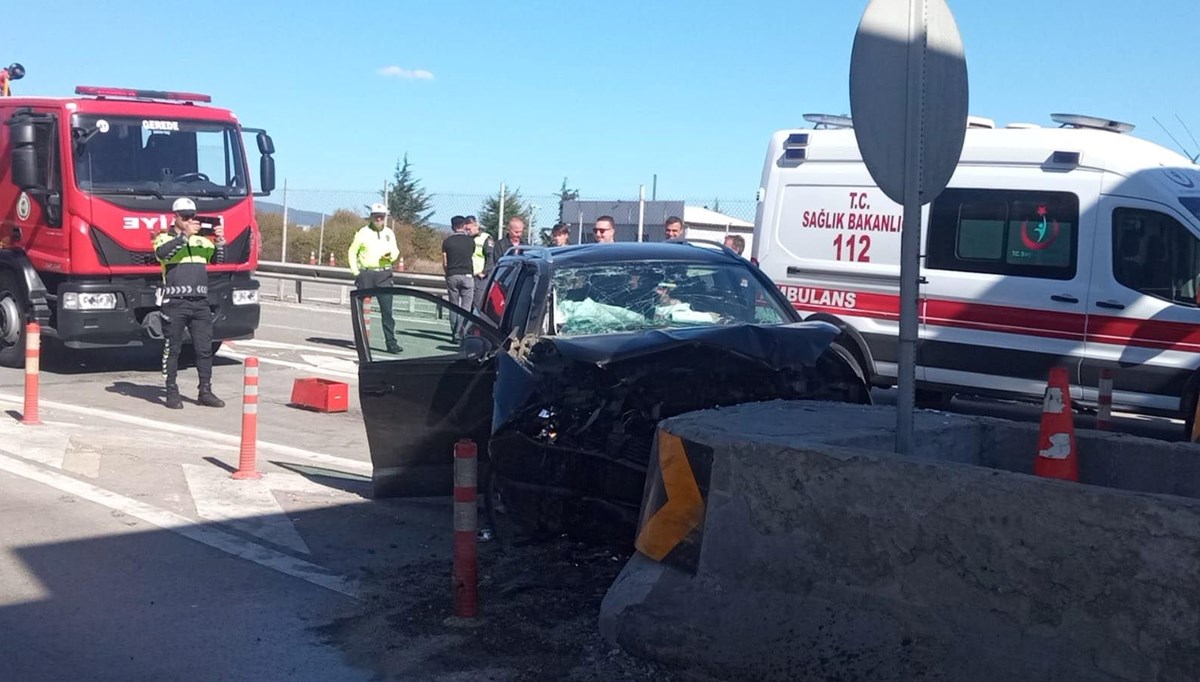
(266,174)
(266,146)
(26,171)
(476,347)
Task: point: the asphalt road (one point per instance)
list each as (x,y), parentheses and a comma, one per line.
(127,555)
(91,593)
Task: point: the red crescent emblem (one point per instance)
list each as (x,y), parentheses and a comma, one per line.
(1035,246)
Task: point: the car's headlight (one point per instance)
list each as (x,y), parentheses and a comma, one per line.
(83,301)
(245,296)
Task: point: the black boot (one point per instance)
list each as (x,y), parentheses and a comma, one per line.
(207,398)
(174,402)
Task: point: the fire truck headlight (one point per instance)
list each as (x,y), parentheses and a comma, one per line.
(84,301)
(245,296)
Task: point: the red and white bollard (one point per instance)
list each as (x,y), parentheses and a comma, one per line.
(1104,413)
(466,564)
(247,459)
(33,355)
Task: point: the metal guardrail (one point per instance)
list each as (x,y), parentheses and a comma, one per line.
(300,274)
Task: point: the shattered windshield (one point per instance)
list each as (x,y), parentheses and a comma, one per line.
(135,156)
(623,297)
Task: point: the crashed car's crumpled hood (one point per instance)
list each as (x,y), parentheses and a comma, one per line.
(777,345)
(574,419)
(787,345)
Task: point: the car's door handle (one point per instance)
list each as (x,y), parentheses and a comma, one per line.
(379,390)
(1111,305)
(1064,298)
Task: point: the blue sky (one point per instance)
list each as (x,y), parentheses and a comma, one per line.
(607,94)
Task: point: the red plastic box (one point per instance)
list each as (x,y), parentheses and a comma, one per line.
(321,395)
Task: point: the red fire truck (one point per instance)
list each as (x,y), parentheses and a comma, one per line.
(85,184)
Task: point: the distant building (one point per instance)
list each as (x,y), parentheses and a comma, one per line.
(702,223)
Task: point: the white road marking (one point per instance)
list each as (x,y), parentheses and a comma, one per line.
(37,443)
(81,458)
(339,311)
(281,345)
(284,363)
(330,364)
(249,506)
(286,481)
(328,461)
(205,534)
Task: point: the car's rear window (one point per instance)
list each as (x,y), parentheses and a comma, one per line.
(631,296)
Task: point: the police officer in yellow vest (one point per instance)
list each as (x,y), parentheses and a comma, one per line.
(371,256)
(481,260)
(185,255)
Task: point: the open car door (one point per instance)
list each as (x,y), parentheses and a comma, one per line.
(419,399)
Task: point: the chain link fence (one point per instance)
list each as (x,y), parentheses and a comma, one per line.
(321,222)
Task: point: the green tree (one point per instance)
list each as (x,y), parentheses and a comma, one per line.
(407,202)
(489,213)
(564,195)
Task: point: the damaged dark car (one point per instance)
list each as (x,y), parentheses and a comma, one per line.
(565,369)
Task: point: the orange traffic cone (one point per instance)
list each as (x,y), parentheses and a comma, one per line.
(312,258)
(1057,455)
(332,262)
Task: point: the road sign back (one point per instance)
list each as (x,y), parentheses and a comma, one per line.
(908,94)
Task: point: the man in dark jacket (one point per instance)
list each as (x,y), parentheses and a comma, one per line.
(512,237)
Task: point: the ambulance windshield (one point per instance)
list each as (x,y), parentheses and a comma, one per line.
(1191,204)
(135,156)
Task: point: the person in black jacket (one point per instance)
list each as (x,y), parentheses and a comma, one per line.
(185,254)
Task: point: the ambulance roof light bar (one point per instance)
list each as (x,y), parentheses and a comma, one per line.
(132,93)
(1078,121)
(829,121)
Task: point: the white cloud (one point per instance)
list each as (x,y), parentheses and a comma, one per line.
(407,74)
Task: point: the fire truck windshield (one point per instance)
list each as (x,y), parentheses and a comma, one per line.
(162,158)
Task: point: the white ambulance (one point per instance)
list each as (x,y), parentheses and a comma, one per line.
(1076,245)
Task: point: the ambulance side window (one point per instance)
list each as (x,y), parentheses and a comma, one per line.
(1005,232)
(1155,255)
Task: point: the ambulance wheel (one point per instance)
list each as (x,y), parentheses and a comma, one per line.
(13,314)
(933,400)
(1189,413)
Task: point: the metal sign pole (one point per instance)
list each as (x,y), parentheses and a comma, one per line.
(908,57)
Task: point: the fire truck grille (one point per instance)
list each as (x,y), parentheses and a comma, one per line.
(111,253)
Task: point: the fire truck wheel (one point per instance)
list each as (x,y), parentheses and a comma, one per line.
(13,312)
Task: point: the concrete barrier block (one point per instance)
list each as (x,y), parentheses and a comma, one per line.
(823,555)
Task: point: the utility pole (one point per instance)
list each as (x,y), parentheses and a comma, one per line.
(283,247)
(321,239)
(641,211)
(500,220)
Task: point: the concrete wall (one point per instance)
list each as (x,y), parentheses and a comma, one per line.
(824,556)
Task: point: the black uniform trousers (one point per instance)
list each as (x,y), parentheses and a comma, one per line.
(371,279)
(191,314)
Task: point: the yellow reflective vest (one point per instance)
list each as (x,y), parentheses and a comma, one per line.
(372,248)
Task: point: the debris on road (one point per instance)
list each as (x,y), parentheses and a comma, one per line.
(539,602)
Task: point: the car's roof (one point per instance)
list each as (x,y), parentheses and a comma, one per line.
(584,254)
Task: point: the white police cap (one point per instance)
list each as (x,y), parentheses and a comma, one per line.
(183,204)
